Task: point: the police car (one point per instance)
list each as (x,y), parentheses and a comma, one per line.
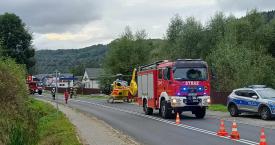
(253,99)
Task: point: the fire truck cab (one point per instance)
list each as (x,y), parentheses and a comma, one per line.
(174,86)
(34,86)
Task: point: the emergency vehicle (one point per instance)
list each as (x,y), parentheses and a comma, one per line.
(121,90)
(254,99)
(34,86)
(174,86)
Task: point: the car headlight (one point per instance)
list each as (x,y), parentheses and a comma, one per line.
(208,100)
(174,101)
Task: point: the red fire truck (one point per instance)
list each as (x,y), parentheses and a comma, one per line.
(174,86)
(34,86)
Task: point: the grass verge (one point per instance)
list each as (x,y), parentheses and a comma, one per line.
(53,128)
(81,96)
(218,107)
(93,97)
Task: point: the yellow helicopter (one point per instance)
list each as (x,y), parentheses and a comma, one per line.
(121,90)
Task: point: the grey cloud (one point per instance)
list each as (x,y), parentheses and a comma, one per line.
(244,5)
(111,16)
(53,15)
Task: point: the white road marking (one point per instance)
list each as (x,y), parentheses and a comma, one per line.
(244,141)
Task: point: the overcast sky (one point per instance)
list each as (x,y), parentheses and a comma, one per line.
(66,24)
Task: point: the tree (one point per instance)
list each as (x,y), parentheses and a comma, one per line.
(213,33)
(127,52)
(267,36)
(184,38)
(16,40)
(1,49)
(190,38)
(174,30)
(240,57)
(78,70)
(238,65)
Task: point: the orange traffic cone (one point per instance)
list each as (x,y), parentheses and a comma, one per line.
(222,131)
(262,138)
(234,134)
(178,119)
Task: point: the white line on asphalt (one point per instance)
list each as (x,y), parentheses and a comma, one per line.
(248,142)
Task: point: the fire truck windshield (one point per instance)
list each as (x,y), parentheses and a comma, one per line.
(185,74)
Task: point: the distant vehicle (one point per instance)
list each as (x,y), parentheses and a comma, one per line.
(252,99)
(174,86)
(121,90)
(34,86)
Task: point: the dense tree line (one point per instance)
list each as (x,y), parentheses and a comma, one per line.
(240,50)
(69,60)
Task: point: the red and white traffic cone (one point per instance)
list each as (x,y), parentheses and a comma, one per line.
(178,119)
(262,138)
(234,134)
(222,131)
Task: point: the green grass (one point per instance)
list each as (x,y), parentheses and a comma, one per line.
(92,97)
(218,107)
(53,128)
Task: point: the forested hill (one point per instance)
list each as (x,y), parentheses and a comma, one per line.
(64,60)
(270,15)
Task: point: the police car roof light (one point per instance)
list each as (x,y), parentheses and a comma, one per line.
(189,59)
(257,86)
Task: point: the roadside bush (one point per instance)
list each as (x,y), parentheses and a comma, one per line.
(17,121)
(25,121)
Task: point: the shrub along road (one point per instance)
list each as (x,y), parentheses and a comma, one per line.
(153,130)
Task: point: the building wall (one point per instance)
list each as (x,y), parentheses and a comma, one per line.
(65,84)
(89,83)
(62,85)
(94,84)
(86,80)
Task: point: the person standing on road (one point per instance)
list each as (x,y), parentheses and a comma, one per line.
(66,96)
(53,93)
(71,93)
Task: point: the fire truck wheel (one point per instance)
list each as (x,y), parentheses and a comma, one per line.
(40,92)
(146,109)
(165,112)
(200,112)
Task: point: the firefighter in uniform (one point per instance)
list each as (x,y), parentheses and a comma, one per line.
(71,93)
(53,93)
(66,96)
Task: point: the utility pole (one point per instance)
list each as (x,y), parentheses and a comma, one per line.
(56,91)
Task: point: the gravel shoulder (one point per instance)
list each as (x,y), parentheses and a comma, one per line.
(93,131)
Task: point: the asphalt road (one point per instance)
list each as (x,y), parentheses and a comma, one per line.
(153,130)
